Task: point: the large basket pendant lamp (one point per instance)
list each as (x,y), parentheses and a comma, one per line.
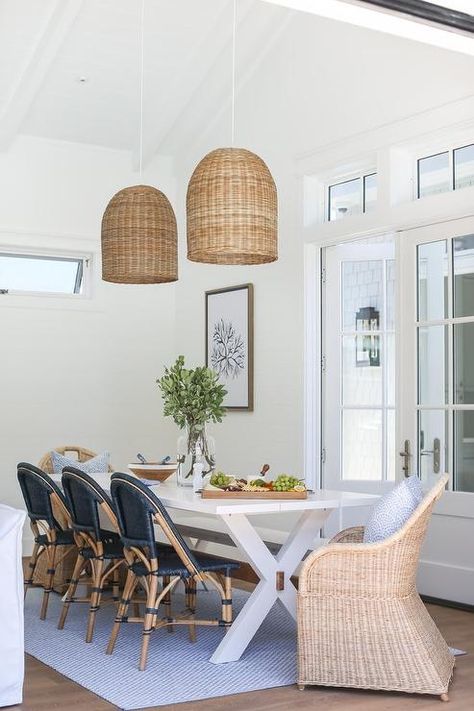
(232,210)
(231,203)
(139,237)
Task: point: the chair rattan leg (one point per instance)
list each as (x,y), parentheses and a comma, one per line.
(97,570)
(116,582)
(167,601)
(71,591)
(51,555)
(148,620)
(191,584)
(227,611)
(444,697)
(130,585)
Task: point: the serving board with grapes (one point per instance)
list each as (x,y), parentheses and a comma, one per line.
(223,486)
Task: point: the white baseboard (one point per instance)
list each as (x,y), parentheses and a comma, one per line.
(446,582)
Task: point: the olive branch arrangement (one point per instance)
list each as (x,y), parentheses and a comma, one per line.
(192,398)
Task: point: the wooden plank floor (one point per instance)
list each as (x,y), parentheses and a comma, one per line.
(46,690)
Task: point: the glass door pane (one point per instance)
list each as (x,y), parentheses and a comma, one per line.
(464,450)
(359,354)
(463,265)
(432,272)
(432,365)
(432,345)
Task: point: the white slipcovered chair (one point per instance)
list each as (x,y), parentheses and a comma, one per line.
(11,606)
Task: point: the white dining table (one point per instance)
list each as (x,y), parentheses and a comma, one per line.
(273,570)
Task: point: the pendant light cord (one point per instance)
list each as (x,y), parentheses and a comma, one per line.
(142,69)
(233,73)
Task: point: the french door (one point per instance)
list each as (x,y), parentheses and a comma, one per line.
(358,418)
(436,423)
(398,383)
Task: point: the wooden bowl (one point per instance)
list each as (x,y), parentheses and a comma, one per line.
(153,470)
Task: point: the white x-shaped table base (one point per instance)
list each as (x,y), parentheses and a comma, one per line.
(274,572)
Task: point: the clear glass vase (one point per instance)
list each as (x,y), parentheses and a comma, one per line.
(195,445)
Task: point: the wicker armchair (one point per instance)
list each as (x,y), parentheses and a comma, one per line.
(361,622)
(65,568)
(80,453)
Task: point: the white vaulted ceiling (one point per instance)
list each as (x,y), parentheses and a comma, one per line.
(98,40)
(70,69)
(320,79)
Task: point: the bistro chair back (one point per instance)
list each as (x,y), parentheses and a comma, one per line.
(49,517)
(85,498)
(39,491)
(100,550)
(137,509)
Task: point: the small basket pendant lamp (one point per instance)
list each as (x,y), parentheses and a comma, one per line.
(139,237)
(139,233)
(232,210)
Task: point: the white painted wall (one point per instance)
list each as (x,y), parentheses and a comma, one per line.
(79,372)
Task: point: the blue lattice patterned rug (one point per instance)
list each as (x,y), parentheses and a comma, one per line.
(177,670)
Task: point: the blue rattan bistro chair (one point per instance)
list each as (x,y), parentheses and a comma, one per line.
(49,516)
(138,511)
(100,550)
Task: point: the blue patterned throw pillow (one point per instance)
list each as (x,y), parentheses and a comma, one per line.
(95,465)
(393,510)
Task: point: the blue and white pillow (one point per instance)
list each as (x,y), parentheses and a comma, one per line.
(92,466)
(393,510)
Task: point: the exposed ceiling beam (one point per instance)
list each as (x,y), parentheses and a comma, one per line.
(380,19)
(34,70)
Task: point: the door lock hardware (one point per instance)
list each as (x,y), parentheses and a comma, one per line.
(436,452)
(406,454)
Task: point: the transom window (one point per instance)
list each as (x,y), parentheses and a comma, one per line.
(33,273)
(445,171)
(352,197)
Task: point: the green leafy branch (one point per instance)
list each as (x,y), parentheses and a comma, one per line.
(192,397)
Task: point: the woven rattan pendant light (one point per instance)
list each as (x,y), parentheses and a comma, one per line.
(231,204)
(139,233)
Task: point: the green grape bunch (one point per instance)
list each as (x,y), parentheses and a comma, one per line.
(284,482)
(221,480)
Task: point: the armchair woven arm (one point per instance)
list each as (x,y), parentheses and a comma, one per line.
(349,535)
(358,570)
(347,568)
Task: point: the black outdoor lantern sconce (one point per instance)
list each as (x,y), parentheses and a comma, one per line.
(367,344)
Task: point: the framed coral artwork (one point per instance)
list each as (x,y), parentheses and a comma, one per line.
(229,342)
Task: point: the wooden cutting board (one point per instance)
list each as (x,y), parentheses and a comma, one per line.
(217,494)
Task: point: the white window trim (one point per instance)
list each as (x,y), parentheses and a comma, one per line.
(450,151)
(85,257)
(337,178)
